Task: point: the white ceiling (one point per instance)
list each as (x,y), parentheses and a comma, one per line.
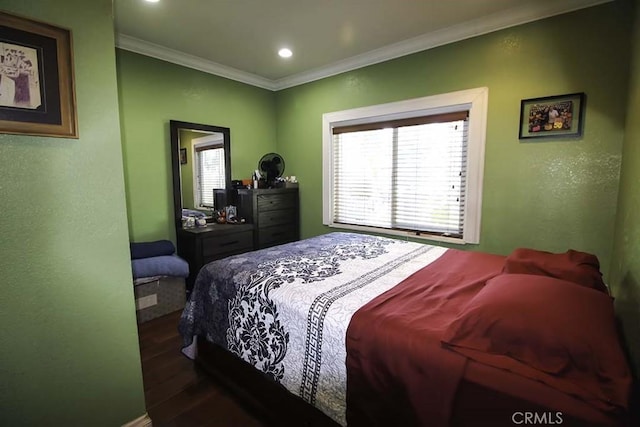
(239,39)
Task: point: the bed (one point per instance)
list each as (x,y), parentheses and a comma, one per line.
(375,331)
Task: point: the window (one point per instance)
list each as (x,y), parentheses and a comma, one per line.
(410,167)
(210,172)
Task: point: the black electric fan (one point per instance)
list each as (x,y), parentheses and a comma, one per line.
(271,167)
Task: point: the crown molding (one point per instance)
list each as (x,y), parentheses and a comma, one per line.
(524,14)
(153,50)
(528,12)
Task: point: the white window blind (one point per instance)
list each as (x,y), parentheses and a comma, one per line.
(407,174)
(413,167)
(210,174)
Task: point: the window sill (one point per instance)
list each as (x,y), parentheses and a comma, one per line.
(407,234)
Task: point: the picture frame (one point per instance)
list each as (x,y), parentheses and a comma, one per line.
(560,116)
(230,212)
(37,88)
(183,156)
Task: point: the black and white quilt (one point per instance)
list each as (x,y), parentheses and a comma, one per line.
(286,309)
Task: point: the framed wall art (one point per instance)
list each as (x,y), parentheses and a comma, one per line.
(552,116)
(37,93)
(183,156)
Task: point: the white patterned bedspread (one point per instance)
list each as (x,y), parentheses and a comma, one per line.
(286,309)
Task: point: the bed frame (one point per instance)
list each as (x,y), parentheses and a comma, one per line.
(272,403)
(261,396)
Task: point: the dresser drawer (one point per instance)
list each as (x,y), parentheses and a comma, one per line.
(271,236)
(277,217)
(267,202)
(227,244)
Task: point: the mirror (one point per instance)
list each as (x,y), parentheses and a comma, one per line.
(201,161)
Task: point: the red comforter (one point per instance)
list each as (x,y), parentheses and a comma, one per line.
(397,371)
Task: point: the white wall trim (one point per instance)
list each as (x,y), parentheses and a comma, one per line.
(476,101)
(146,48)
(527,12)
(142,421)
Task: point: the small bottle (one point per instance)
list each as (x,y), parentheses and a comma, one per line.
(255,180)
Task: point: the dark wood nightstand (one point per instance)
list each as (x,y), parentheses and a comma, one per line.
(201,245)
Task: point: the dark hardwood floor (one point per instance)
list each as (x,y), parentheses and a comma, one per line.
(177,392)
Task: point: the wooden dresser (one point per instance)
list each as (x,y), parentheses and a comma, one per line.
(272,217)
(275,213)
(201,245)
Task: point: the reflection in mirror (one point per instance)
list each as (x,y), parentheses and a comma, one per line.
(202,168)
(200,157)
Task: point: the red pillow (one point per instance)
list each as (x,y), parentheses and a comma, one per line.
(549,330)
(574,266)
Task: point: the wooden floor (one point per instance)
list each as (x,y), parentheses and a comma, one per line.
(176,392)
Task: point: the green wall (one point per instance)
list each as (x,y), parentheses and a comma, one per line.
(625,277)
(152,92)
(68,343)
(186,171)
(551,195)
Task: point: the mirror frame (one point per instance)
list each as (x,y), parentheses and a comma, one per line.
(174,129)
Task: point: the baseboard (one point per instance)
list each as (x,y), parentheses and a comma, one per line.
(142,421)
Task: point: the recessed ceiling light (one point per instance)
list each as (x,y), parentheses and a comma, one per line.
(285,53)
(153,1)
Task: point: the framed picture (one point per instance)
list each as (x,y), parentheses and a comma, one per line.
(183,156)
(37,93)
(552,116)
(231,213)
